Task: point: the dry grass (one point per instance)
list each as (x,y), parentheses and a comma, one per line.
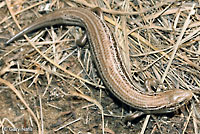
(51,86)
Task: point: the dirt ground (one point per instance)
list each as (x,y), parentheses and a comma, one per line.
(42,93)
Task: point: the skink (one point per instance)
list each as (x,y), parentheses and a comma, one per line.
(109,63)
